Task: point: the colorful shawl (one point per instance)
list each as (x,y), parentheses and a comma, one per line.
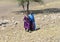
(26,23)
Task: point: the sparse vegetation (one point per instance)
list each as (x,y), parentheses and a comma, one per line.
(22,2)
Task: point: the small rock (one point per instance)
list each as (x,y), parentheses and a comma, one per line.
(3,25)
(52,22)
(45,15)
(5,22)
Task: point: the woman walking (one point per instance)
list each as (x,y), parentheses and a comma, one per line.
(29,22)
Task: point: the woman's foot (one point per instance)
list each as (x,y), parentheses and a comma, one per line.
(29,31)
(26,30)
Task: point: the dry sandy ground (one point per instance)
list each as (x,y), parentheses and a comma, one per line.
(49,25)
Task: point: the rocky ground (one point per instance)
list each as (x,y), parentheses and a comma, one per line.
(11,24)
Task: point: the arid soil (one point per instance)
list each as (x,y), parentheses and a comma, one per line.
(48,21)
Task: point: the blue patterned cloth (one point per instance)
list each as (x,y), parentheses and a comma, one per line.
(32,19)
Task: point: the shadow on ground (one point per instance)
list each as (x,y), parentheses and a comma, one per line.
(48,10)
(35,30)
